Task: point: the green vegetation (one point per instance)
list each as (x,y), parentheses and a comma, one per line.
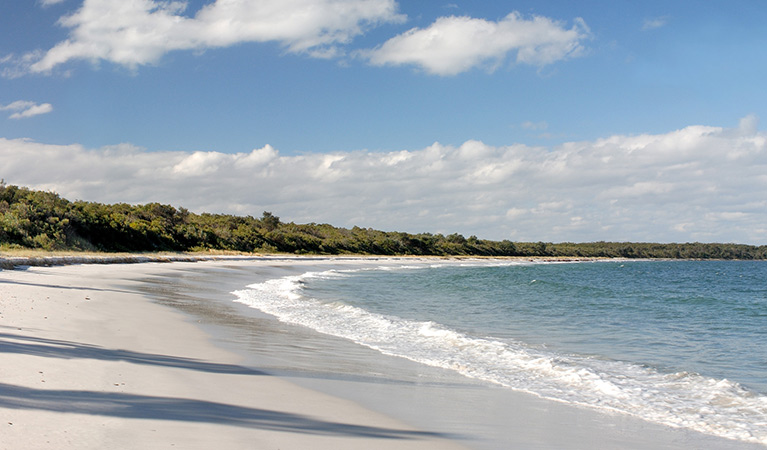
(43,220)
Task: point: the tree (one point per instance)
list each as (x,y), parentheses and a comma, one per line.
(270,221)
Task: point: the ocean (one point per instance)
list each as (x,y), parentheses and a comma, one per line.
(678,343)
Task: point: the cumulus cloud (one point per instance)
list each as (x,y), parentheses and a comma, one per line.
(138,32)
(24,109)
(452,45)
(699,183)
(133,33)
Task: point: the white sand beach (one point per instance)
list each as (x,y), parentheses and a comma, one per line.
(93,358)
(86,364)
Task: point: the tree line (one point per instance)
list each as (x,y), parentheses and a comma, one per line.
(43,220)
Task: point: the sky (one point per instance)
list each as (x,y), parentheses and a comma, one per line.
(552,121)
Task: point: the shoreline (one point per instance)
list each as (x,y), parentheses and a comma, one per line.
(154,354)
(91,362)
(12,260)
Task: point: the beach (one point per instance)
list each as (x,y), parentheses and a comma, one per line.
(157,355)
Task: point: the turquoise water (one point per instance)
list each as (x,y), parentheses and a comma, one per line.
(683,343)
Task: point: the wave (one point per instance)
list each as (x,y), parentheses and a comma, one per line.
(683,399)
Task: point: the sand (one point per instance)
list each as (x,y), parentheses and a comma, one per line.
(156,355)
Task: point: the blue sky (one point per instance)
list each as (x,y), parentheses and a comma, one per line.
(545,120)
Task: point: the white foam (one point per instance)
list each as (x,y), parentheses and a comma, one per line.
(717,407)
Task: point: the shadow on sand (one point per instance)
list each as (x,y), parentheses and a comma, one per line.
(132,406)
(52,348)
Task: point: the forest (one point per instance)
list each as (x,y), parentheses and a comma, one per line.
(33,219)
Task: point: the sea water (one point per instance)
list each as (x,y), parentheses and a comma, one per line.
(680,343)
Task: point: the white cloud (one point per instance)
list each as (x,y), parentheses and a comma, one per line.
(138,32)
(535,126)
(452,45)
(678,186)
(199,163)
(656,22)
(51,2)
(748,125)
(24,109)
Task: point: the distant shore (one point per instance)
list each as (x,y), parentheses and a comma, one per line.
(35,258)
(59,224)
